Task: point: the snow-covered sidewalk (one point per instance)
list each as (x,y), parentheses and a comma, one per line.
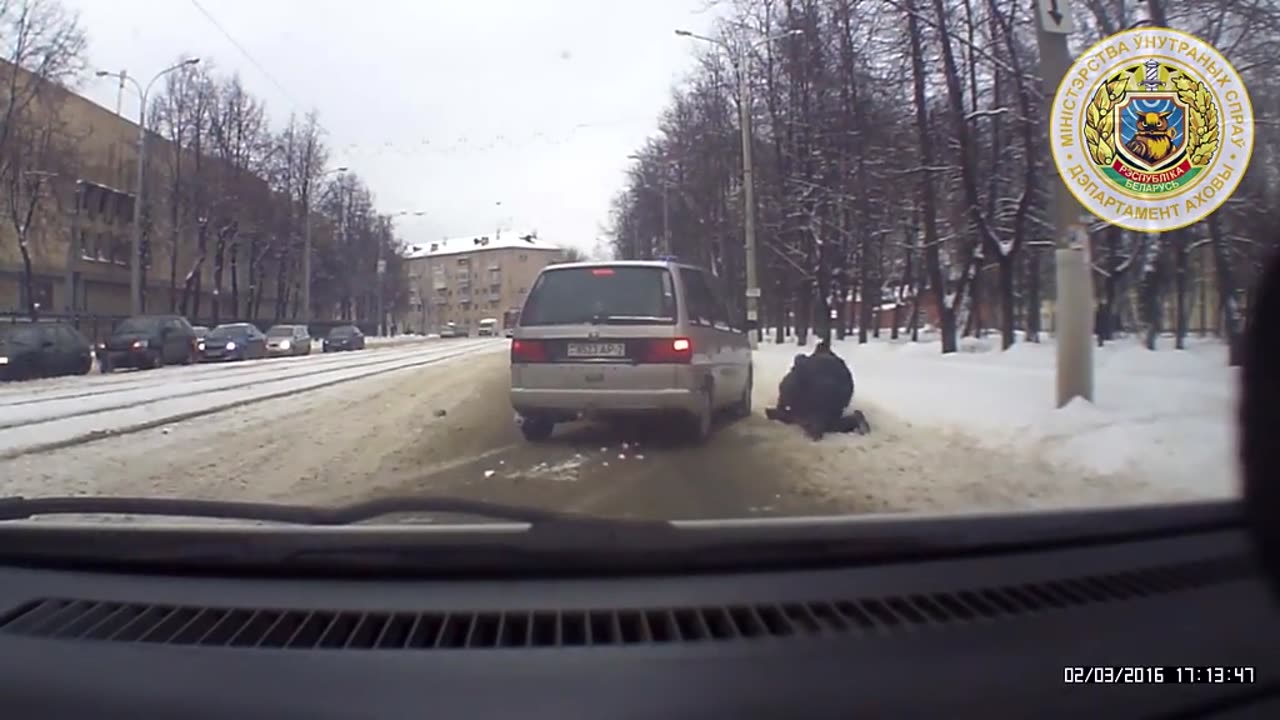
(1161,426)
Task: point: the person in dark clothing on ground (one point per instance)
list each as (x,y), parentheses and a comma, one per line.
(825,392)
(787,391)
(815,393)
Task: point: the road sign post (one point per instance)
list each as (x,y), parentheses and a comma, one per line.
(1055,17)
(1073,304)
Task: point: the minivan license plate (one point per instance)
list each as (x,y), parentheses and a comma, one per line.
(588,350)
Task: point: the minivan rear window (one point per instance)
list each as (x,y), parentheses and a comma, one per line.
(601,294)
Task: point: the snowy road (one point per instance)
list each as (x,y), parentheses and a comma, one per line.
(42,416)
(434,418)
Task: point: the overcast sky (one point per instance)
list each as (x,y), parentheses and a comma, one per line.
(443,106)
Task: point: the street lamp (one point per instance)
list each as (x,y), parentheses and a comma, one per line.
(748,187)
(135,264)
(306,246)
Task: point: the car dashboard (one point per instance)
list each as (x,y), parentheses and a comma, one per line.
(978,634)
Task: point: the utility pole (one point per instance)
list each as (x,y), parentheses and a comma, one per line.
(120,91)
(666,213)
(749,200)
(135,251)
(382,274)
(748,186)
(306,256)
(1073,307)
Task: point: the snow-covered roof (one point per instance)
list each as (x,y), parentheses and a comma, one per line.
(502,240)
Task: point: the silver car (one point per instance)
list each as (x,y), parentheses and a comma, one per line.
(288,340)
(605,339)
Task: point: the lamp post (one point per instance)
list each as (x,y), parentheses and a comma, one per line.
(135,251)
(748,186)
(306,246)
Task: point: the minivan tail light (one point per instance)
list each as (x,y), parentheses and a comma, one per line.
(669,350)
(528,351)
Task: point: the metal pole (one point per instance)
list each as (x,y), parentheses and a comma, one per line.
(1073,309)
(135,270)
(666,221)
(71,307)
(306,257)
(749,200)
(382,271)
(120,91)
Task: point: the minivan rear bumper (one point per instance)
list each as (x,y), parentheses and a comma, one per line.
(603,402)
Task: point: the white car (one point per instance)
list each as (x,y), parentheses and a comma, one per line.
(627,338)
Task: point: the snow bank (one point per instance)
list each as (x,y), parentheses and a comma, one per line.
(1164,419)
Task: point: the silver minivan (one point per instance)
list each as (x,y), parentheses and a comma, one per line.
(603,339)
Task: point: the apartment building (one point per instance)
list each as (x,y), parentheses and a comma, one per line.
(465,280)
(80,238)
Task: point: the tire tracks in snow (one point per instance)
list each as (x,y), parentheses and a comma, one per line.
(383,367)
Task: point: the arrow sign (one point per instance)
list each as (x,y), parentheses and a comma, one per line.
(1055,16)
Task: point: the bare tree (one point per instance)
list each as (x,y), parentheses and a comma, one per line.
(43,47)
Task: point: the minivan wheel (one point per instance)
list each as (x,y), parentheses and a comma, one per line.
(702,419)
(536,428)
(158,360)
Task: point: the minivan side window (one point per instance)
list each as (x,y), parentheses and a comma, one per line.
(704,309)
(722,318)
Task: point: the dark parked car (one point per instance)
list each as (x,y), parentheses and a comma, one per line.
(149,341)
(32,350)
(287,340)
(344,337)
(234,341)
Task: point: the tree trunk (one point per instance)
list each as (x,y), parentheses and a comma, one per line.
(28,284)
(1153,297)
(235,278)
(1004,266)
(1230,313)
(929,208)
(1033,293)
(1180,289)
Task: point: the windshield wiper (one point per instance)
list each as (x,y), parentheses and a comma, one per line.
(21,508)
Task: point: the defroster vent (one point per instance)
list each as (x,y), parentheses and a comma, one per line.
(283,628)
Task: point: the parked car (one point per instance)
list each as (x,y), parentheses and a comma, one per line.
(44,349)
(149,341)
(626,338)
(234,341)
(450,330)
(288,340)
(343,337)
